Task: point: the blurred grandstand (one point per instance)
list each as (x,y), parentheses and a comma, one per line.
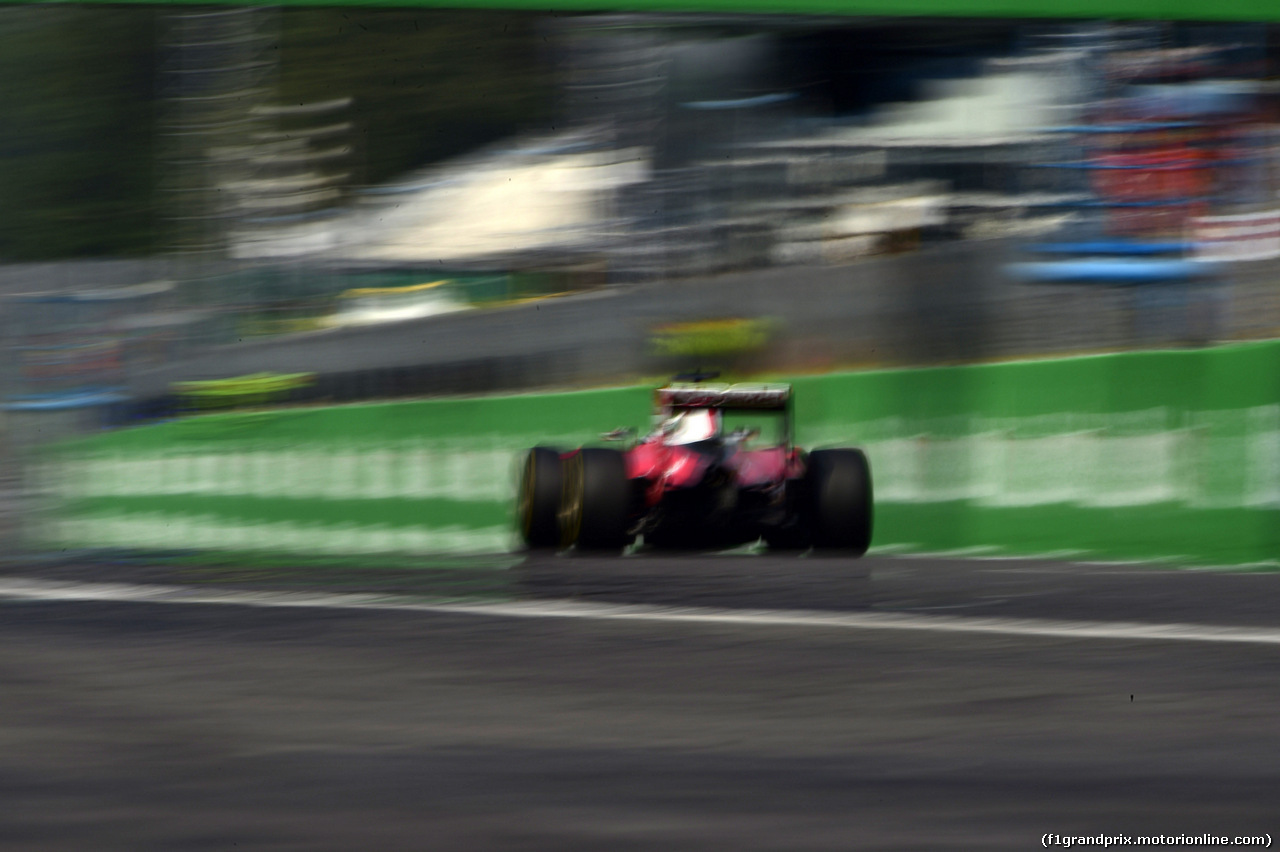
(1002,164)
(699,145)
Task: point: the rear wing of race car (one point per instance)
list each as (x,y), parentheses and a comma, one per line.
(739,397)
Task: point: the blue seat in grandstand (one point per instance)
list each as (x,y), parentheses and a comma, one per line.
(1113,262)
(1111,271)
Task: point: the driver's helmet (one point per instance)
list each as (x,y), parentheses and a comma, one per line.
(688,427)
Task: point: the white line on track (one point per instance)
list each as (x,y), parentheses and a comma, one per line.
(54,591)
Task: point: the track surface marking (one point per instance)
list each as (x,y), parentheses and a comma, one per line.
(40,590)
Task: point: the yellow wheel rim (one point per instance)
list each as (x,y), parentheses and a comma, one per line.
(571,503)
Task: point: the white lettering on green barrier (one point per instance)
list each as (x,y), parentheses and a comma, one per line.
(1198,460)
(1225,459)
(423,471)
(181,532)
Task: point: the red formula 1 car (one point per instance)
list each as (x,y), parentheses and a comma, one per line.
(719,470)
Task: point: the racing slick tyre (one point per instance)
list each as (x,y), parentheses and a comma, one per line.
(541,484)
(839,500)
(596,507)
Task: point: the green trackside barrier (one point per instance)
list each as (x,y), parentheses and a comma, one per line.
(1166,455)
(1145,455)
(375,481)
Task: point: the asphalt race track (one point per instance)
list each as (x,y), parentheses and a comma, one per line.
(677,702)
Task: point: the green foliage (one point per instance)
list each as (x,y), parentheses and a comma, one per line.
(256,389)
(712,337)
(75,139)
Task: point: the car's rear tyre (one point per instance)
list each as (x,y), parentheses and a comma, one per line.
(538,506)
(840,500)
(595,513)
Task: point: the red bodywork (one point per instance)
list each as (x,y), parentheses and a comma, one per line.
(694,483)
(665,467)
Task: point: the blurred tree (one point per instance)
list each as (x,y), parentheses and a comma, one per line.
(427,84)
(78,135)
(76,140)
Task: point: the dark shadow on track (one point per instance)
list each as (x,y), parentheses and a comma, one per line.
(673,578)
